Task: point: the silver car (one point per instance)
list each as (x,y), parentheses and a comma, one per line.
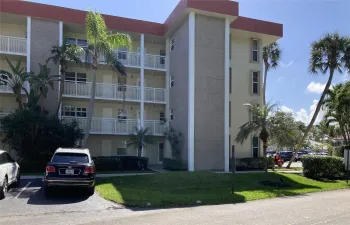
(9,173)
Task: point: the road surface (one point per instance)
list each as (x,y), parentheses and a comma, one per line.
(27,205)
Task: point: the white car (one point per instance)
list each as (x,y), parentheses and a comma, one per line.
(9,173)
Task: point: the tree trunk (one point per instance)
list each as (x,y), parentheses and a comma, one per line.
(265,156)
(41,101)
(342,130)
(63,77)
(90,109)
(140,151)
(264,88)
(19,99)
(318,108)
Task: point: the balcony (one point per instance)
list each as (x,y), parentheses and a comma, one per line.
(13,45)
(113,92)
(115,126)
(8,89)
(133,59)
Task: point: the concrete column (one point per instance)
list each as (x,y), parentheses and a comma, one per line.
(191,86)
(142,84)
(167,92)
(60,43)
(227,95)
(29,31)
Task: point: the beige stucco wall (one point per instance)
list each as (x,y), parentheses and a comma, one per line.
(209,93)
(45,35)
(13,30)
(98,148)
(178,95)
(8,103)
(242,91)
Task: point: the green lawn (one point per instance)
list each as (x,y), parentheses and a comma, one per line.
(178,189)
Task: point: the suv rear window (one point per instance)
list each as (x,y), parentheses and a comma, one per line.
(70,158)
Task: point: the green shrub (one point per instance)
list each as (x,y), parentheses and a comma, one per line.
(338,151)
(320,167)
(115,163)
(253,163)
(174,165)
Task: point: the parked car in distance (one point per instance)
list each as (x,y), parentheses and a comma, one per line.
(70,167)
(300,155)
(286,155)
(270,153)
(9,173)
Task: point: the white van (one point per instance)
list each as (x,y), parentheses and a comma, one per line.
(9,172)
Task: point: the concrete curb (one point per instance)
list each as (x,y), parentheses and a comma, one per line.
(23,177)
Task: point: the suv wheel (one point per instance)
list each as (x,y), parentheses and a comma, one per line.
(91,191)
(4,189)
(18,178)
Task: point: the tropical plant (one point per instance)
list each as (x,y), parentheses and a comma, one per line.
(260,125)
(102,43)
(271,57)
(329,54)
(174,140)
(15,80)
(139,140)
(41,83)
(62,55)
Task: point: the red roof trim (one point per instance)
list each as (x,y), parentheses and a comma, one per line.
(258,26)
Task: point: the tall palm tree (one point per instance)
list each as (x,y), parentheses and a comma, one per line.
(330,53)
(62,55)
(260,125)
(139,139)
(41,83)
(102,43)
(15,80)
(271,57)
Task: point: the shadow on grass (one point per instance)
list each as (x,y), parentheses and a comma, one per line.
(183,189)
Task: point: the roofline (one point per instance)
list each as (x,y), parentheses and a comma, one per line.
(225,7)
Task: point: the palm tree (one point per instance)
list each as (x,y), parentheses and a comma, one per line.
(102,42)
(62,55)
(42,81)
(330,53)
(271,57)
(139,139)
(15,80)
(260,125)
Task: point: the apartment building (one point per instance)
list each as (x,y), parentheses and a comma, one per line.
(192,73)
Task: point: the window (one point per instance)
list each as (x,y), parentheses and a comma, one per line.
(123,53)
(121,151)
(81,112)
(171,81)
(160,152)
(171,114)
(121,114)
(162,57)
(70,157)
(82,43)
(254,116)
(162,116)
(255,147)
(256,78)
(72,76)
(229,113)
(68,111)
(230,81)
(81,77)
(70,41)
(172,46)
(255,50)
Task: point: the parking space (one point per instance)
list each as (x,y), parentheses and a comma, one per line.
(28,203)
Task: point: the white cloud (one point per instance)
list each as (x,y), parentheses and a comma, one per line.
(315,87)
(286,65)
(306,116)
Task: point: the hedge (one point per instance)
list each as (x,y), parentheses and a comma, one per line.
(253,163)
(115,163)
(323,167)
(173,165)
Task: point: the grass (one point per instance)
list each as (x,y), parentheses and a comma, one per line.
(179,189)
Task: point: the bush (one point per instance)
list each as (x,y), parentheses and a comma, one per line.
(253,163)
(115,163)
(323,167)
(174,165)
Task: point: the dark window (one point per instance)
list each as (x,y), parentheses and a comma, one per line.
(69,111)
(161,116)
(171,81)
(230,81)
(229,113)
(81,112)
(121,151)
(70,41)
(162,57)
(82,43)
(255,147)
(172,46)
(70,157)
(161,152)
(70,76)
(171,114)
(254,116)
(2,158)
(81,77)
(255,50)
(256,83)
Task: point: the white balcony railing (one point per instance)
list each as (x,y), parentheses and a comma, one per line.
(155,95)
(103,91)
(13,45)
(155,127)
(132,59)
(5,89)
(155,61)
(106,125)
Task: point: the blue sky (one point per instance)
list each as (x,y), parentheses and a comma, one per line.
(291,85)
